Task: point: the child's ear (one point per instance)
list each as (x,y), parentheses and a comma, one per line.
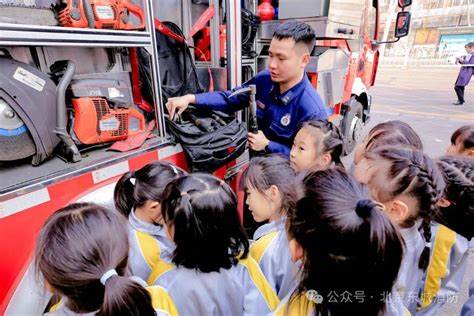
(326,159)
(398,211)
(443,203)
(470,153)
(154,205)
(274,193)
(296,251)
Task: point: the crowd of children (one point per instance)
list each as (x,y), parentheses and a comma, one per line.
(389,236)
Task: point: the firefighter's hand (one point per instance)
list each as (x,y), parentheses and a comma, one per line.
(258,142)
(178,105)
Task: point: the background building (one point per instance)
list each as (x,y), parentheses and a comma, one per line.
(439,30)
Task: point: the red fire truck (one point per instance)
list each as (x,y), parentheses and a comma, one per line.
(343,68)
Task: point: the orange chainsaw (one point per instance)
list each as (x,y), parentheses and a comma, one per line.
(102,14)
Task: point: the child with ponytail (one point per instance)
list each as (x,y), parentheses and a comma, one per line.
(410,186)
(317,145)
(211,272)
(138,196)
(350,250)
(81,254)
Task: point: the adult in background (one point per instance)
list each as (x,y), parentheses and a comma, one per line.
(285,96)
(465,73)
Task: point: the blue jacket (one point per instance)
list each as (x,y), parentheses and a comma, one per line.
(278,114)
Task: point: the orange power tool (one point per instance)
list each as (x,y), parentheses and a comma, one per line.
(102,14)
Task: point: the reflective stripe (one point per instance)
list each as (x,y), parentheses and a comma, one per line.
(258,248)
(161,300)
(110,172)
(300,306)
(437,268)
(148,247)
(23,202)
(160,268)
(260,282)
(56,306)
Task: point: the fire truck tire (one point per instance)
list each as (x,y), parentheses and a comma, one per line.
(352,125)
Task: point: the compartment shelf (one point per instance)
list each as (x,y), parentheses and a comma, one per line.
(34,35)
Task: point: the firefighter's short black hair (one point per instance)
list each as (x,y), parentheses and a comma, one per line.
(301,32)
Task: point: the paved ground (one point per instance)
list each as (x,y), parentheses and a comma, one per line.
(423,98)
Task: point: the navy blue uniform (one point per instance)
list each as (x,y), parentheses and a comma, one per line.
(278,114)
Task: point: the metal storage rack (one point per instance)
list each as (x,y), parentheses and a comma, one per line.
(41,38)
(51,36)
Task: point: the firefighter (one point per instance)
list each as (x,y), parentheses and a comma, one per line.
(285,96)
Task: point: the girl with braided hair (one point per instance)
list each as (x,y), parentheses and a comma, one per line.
(211,273)
(138,196)
(351,252)
(390,133)
(317,145)
(457,211)
(452,229)
(410,186)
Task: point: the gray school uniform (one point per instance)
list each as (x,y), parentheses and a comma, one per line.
(240,290)
(161,301)
(270,250)
(304,306)
(61,309)
(148,245)
(445,272)
(410,276)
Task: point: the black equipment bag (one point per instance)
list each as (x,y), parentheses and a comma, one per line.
(210,139)
(178,73)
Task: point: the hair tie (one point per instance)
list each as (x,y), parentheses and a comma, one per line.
(175,171)
(428,244)
(380,205)
(107,275)
(364,208)
(132,178)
